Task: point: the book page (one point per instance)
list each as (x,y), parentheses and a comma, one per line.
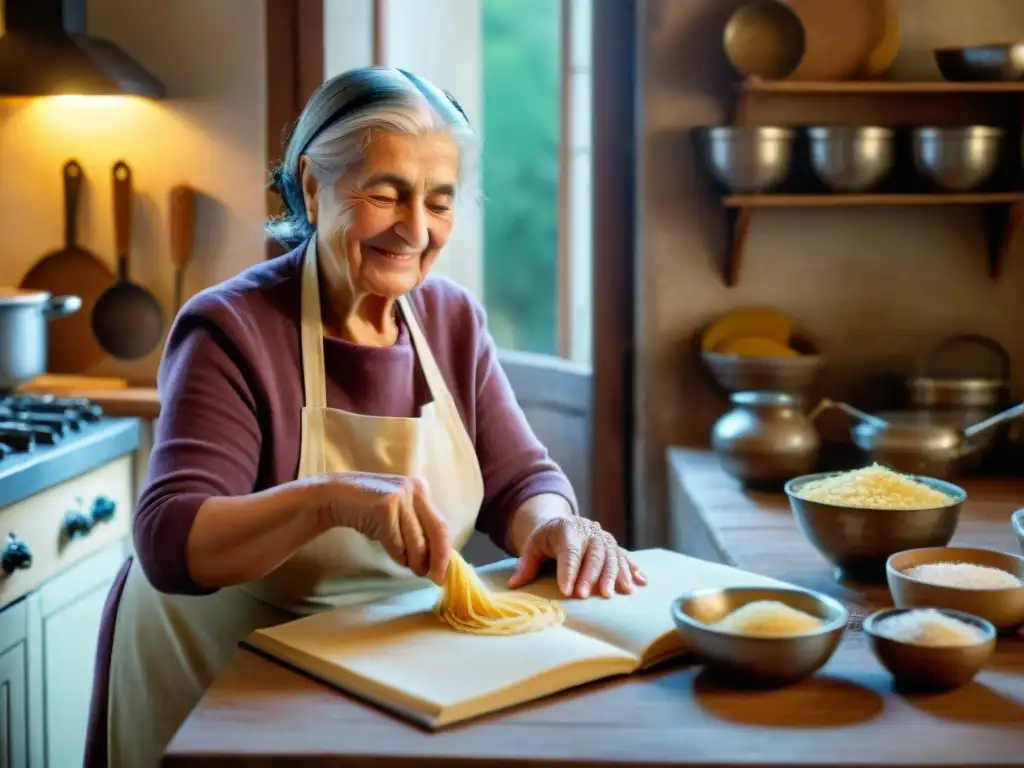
(398,652)
(641,623)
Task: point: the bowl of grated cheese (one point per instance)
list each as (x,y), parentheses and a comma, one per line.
(982,582)
(930,648)
(858,519)
(760,636)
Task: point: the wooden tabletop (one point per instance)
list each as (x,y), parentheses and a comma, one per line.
(259,713)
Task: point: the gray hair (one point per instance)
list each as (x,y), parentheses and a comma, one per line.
(335,127)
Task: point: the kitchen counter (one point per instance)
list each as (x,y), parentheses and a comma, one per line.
(24,475)
(117,397)
(258,712)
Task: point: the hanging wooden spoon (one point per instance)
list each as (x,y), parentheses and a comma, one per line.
(183,217)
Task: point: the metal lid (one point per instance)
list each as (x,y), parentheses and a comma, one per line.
(765,398)
(18,297)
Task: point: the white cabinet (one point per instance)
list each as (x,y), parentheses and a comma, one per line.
(47,654)
(71,608)
(20,685)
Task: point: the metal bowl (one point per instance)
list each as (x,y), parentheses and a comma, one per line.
(859,541)
(1017,523)
(930,667)
(957,158)
(764,38)
(766,661)
(789,375)
(851,158)
(932,450)
(979,63)
(954,462)
(1003,607)
(747,159)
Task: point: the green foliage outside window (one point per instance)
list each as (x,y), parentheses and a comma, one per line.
(520,171)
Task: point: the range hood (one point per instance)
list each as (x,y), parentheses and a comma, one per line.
(45,51)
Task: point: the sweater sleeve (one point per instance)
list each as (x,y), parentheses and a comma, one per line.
(515,465)
(207,443)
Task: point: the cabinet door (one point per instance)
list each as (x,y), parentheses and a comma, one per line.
(72,608)
(14,719)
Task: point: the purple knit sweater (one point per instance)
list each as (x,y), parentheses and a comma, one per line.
(231,393)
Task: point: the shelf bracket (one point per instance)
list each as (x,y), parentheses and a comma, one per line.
(1001,224)
(738,222)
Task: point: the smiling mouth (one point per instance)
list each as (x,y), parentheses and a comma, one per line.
(392,256)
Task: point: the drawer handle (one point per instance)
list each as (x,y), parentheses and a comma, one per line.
(103,509)
(15,556)
(77,524)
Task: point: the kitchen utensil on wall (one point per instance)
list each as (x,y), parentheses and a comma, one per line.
(986,390)
(746,159)
(1000,62)
(764,38)
(183,217)
(765,439)
(72,270)
(127,319)
(957,158)
(846,39)
(933,450)
(851,158)
(24,316)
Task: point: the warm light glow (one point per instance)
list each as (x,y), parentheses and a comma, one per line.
(84,98)
(76,117)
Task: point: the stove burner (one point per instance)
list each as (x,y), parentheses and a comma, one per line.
(27,421)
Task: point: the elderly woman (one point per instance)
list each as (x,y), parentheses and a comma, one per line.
(334,423)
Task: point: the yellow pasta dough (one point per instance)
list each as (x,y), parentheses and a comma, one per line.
(467,605)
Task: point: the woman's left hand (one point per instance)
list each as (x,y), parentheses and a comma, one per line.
(588,559)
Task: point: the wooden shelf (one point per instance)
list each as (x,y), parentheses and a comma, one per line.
(797,87)
(1003,213)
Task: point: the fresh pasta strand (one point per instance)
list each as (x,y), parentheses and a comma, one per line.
(467,605)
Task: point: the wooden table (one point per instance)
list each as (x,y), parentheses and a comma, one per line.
(259,713)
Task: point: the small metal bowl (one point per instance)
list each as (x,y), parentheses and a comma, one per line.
(1017,523)
(982,63)
(851,158)
(789,375)
(764,38)
(1004,608)
(746,159)
(859,541)
(957,158)
(930,667)
(760,661)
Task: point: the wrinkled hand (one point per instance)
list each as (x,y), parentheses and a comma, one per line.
(586,556)
(396,511)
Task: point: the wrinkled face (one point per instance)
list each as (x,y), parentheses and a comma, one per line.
(386,220)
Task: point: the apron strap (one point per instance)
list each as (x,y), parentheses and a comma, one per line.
(314,378)
(431,373)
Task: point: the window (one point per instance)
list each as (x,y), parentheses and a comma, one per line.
(521,71)
(535,80)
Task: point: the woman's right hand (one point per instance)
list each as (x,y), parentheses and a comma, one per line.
(394,510)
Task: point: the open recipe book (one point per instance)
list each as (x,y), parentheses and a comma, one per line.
(397,654)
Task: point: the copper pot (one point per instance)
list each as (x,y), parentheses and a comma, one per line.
(765,439)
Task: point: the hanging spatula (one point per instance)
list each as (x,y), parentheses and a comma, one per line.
(183,216)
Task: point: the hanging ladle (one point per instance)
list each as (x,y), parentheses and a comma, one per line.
(934,450)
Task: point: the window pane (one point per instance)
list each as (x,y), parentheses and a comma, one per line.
(521,97)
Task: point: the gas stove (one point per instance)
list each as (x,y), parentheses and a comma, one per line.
(30,421)
(45,440)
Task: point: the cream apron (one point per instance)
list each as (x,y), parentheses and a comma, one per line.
(167,649)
